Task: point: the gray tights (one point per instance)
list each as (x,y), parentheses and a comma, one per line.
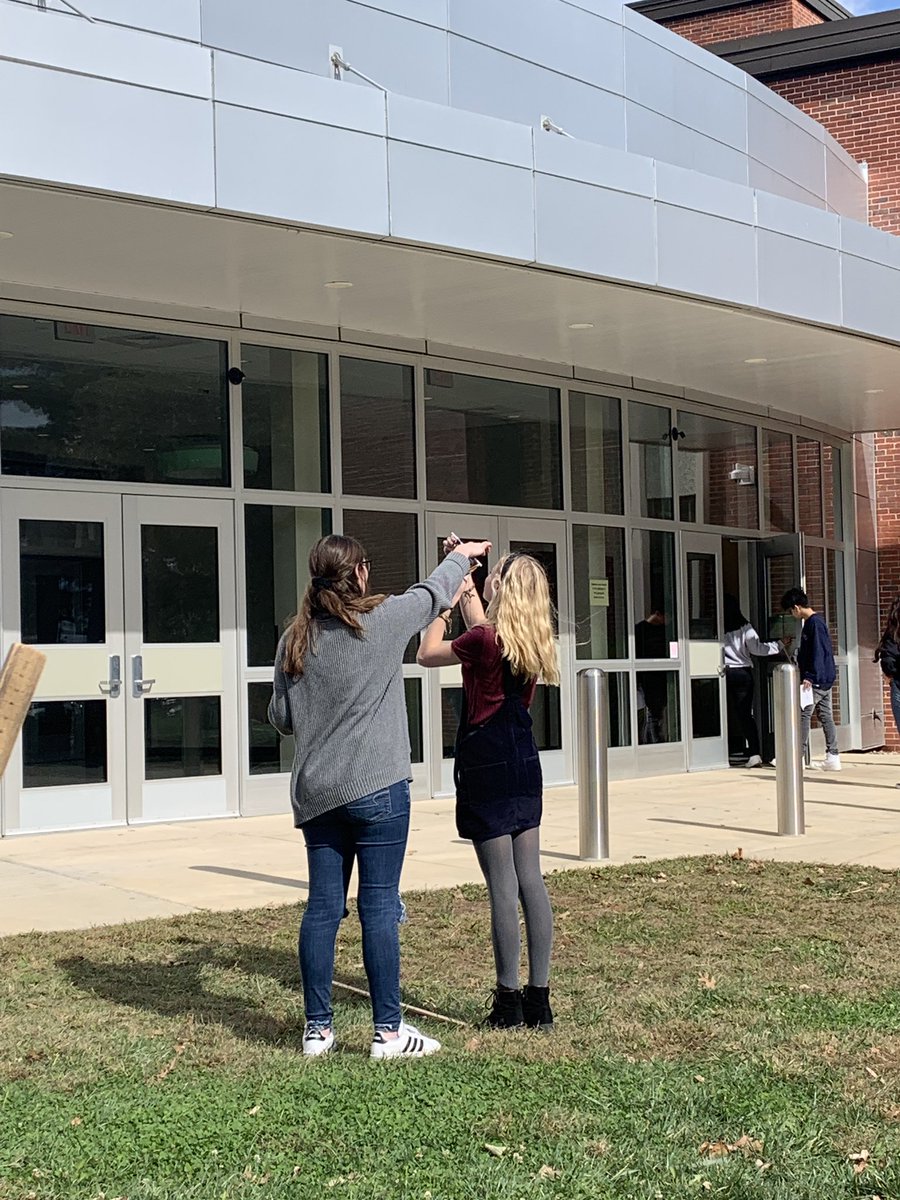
(511,866)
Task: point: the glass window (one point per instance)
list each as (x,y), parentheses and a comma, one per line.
(601,629)
(778,481)
(836,608)
(270,753)
(64,743)
(655,595)
(277,543)
(702,597)
(89,402)
(595,438)
(546,718)
(180,583)
(413,688)
(706,717)
(809,486)
(284,398)
(650,460)
(491,441)
(182,737)
(657,700)
(619,709)
(391,542)
(814,563)
(833,493)
(378,443)
(62,582)
(715,466)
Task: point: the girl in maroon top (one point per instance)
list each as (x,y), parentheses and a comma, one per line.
(497,770)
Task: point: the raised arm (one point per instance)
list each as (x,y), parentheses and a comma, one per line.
(422,603)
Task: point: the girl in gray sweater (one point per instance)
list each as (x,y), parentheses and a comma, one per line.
(338,689)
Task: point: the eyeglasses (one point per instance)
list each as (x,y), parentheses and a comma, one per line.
(366,562)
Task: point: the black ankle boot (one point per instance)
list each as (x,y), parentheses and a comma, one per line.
(536,1011)
(506,1009)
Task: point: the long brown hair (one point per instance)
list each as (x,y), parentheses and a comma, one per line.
(521,613)
(333,591)
(891,630)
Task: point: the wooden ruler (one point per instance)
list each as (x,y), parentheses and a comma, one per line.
(18,679)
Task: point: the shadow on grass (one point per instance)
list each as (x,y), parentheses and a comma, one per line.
(178,986)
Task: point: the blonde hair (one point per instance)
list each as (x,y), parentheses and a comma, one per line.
(522,615)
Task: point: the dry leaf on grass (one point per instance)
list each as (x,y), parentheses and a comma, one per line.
(738,854)
(706,981)
(745,1145)
(860,1161)
(597,1149)
(76,1121)
(547,1172)
(497,1151)
(873,1074)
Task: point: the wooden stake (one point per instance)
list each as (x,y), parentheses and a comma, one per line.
(18,680)
(420,1012)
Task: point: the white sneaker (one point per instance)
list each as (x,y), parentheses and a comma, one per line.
(317,1041)
(755,760)
(831,762)
(409,1043)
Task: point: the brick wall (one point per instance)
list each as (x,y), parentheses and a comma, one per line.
(887,492)
(768,16)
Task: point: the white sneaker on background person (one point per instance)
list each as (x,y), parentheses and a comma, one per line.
(755,760)
(831,762)
(409,1043)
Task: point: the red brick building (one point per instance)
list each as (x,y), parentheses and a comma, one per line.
(844,72)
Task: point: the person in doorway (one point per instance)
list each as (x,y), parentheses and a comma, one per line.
(815,658)
(887,654)
(497,771)
(338,689)
(741,643)
(651,641)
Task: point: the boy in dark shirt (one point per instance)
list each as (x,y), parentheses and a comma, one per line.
(815,658)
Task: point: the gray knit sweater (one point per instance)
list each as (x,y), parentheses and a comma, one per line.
(347,710)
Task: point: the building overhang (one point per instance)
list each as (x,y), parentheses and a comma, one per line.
(669,10)
(815,47)
(74,251)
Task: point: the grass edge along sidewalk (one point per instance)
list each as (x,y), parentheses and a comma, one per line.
(726,1027)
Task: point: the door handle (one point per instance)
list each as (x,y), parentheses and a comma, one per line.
(113,686)
(139,685)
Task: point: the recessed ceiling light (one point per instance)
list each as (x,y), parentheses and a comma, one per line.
(20,387)
(874,391)
(755,361)
(337,284)
(582,325)
(4,233)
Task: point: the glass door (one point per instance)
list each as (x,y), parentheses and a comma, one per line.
(62,593)
(180,670)
(776,564)
(703,635)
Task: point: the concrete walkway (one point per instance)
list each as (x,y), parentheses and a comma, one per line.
(98,877)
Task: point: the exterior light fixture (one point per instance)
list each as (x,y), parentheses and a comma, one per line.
(743,474)
(753,362)
(337,284)
(549,126)
(582,325)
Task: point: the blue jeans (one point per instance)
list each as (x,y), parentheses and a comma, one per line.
(895,702)
(371,831)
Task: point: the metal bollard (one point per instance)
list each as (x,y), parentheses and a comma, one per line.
(593,765)
(788,755)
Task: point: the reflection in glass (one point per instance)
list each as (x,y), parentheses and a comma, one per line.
(377,429)
(284,398)
(182,737)
(706,715)
(64,743)
(703,616)
(619,709)
(276,549)
(833,493)
(655,594)
(659,719)
(595,438)
(492,441)
(391,542)
(270,753)
(545,713)
(778,481)
(780,575)
(650,458)
(809,486)
(451,713)
(62,582)
(716,470)
(91,402)
(599,574)
(814,562)
(413,689)
(836,607)
(180,583)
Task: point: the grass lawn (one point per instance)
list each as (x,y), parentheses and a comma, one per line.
(725,1028)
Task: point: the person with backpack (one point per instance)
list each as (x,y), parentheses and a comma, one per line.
(815,658)
(497,770)
(887,654)
(338,688)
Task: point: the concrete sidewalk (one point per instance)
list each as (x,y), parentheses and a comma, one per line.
(98,877)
